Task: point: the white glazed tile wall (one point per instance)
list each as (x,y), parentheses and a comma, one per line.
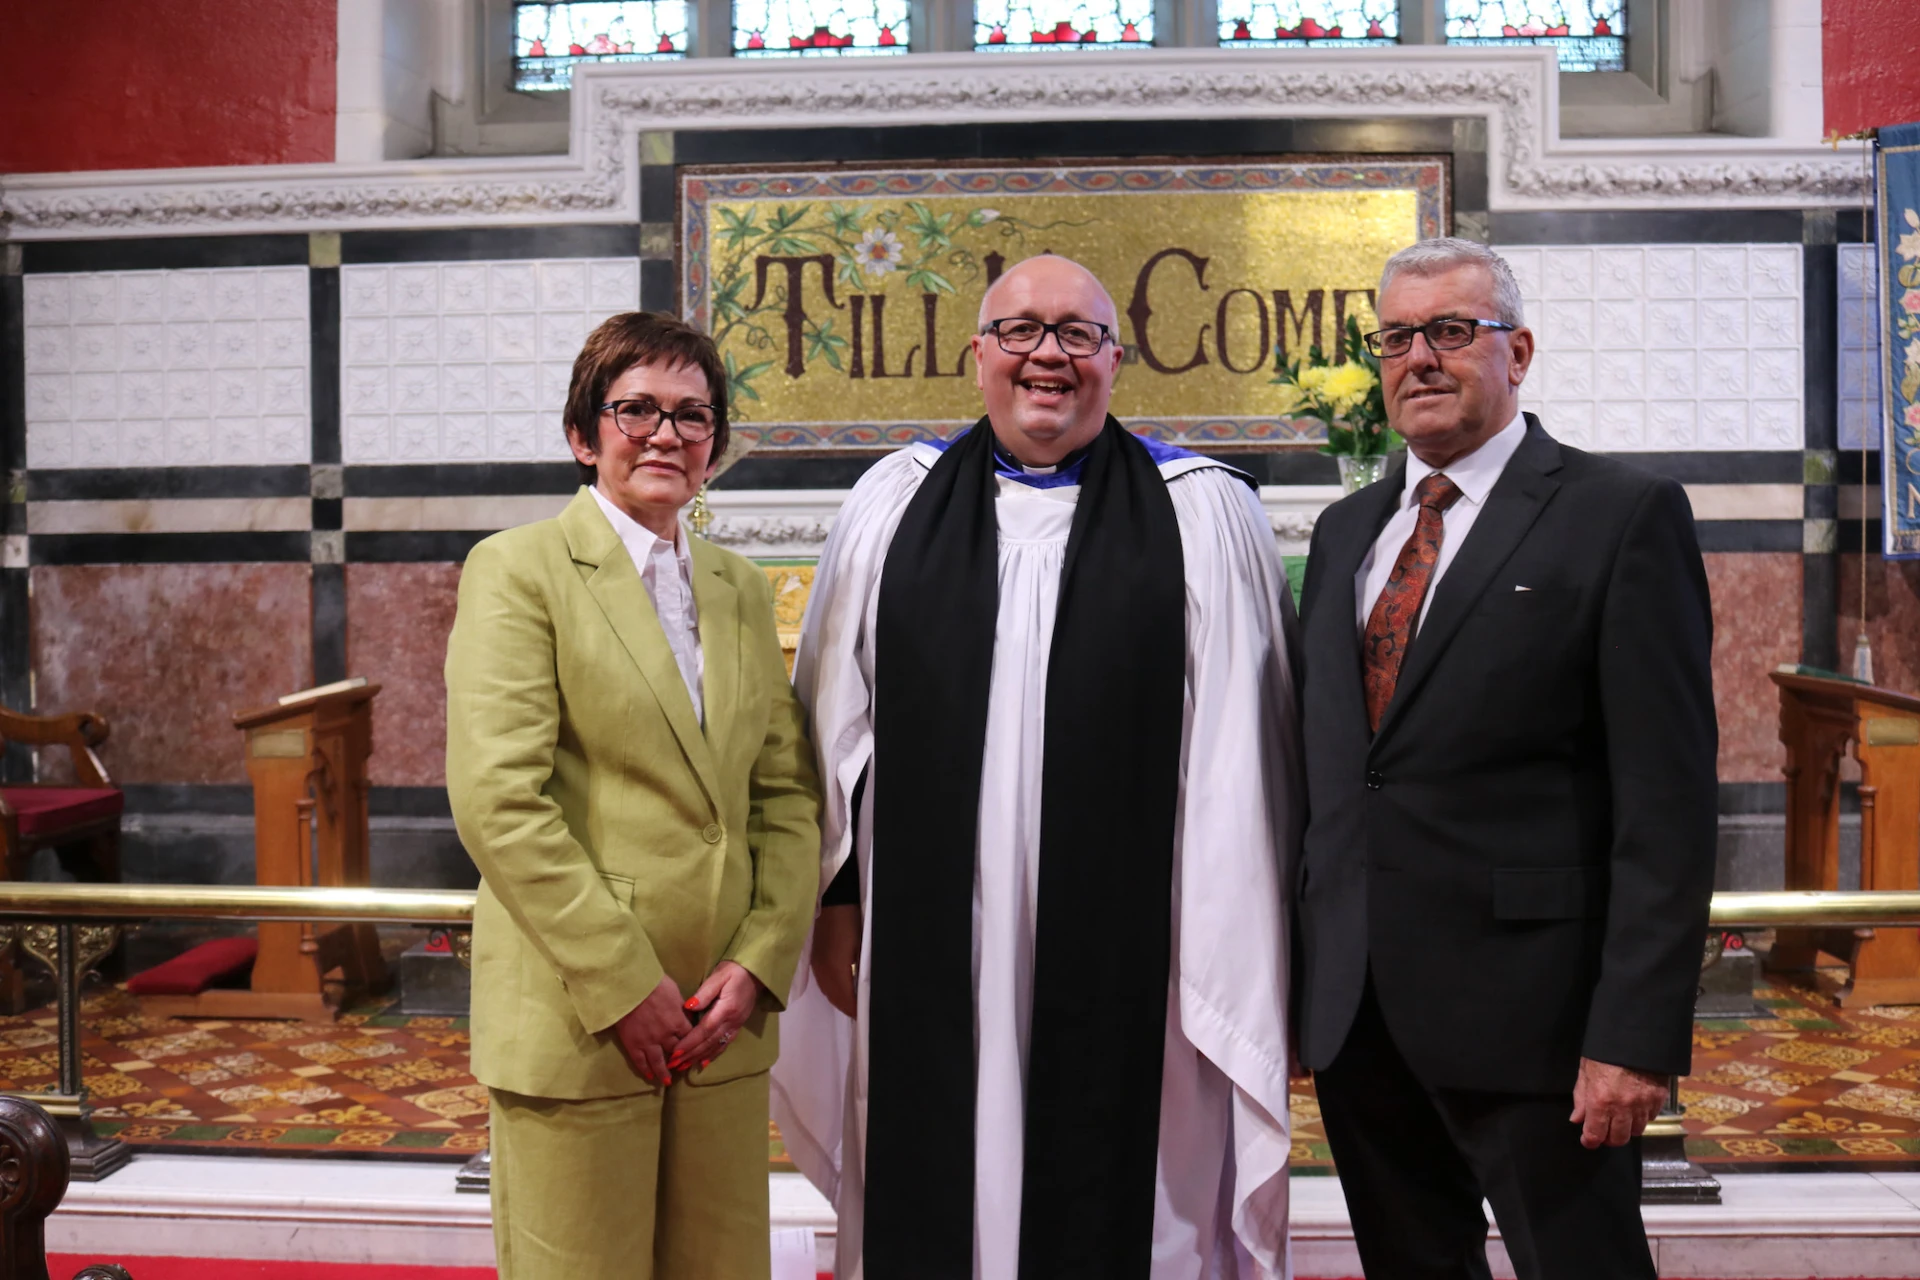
(168,368)
(468,361)
(1664,347)
(1857,385)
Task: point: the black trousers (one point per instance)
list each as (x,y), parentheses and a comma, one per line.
(1416,1162)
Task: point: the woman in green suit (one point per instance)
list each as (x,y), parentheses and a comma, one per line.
(628,768)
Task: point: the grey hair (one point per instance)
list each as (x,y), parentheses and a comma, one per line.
(1431,257)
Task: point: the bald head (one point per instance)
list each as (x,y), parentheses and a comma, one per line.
(1059,281)
(1046,403)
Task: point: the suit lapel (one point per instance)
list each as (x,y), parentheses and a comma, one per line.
(1514,503)
(615,585)
(718,604)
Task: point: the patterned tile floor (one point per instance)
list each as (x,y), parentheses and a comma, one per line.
(371,1082)
(1809,1086)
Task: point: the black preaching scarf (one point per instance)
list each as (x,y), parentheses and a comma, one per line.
(1109,787)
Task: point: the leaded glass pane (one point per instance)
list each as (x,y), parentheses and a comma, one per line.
(1030,26)
(1273,24)
(1591,35)
(549,40)
(783,28)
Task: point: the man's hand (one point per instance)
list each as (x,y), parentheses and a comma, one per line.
(1612,1105)
(726,998)
(649,1033)
(836,954)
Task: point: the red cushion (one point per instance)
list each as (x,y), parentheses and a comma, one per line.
(42,810)
(191,972)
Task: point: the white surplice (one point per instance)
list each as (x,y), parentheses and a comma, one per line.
(1221,1203)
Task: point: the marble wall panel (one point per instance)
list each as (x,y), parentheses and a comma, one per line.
(1664,347)
(468,361)
(398,618)
(1857,387)
(168,652)
(1893,619)
(168,368)
(1756,627)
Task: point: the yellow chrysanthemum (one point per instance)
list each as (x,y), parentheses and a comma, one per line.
(1346,386)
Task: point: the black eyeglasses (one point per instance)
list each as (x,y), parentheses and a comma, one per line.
(1442,335)
(639,419)
(1023,337)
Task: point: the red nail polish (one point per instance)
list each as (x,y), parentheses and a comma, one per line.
(692,1004)
(703,1065)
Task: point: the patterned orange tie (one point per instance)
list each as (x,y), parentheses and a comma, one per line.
(1390,625)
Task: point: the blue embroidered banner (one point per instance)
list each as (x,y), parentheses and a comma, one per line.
(1899,220)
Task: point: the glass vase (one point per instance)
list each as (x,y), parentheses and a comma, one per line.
(1356,473)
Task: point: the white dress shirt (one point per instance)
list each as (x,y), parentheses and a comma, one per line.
(666,570)
(1474,475)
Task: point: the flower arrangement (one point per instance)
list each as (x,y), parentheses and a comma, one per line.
(1346,397)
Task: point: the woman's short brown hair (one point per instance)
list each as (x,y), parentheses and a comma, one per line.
(635,338)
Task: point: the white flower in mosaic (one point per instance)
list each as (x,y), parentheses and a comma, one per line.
(981,217)
(878,251)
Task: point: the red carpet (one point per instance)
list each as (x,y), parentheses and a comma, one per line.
(65,1264)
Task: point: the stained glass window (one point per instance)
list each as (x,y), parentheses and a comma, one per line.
(783,28)
(1028,26)
(1272,24)
(549,40)
(1590,34)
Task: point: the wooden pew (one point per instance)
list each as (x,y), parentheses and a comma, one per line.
(33,1181)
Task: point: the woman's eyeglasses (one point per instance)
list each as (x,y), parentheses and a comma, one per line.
(639,419)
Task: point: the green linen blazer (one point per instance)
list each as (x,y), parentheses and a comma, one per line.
(617,839)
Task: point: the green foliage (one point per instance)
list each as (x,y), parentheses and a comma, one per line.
(738,379)
(824,344)
(739,228)
(1346,398)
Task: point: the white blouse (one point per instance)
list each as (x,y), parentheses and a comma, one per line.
(666,570)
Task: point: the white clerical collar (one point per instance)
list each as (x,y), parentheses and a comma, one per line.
(640,541)
(1474,473)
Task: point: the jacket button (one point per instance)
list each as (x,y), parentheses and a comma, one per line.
(711,833)
(1374,780)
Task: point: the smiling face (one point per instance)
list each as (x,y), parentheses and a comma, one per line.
(1449,403)
(650,481)
(1045,404)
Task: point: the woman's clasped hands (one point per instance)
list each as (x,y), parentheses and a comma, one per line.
(661,1037)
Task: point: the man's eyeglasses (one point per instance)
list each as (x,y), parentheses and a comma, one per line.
(1442,335)
(639,419)
(1023,337)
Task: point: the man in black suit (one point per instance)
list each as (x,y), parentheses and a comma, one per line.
(1510,749)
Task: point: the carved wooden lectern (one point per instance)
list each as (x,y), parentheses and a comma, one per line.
(1819,718)
(307,757)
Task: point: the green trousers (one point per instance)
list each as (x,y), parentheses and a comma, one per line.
(671,1183)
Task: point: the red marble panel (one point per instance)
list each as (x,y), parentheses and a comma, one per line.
(398,618)
(1893,619)
(168,652)
(1756,627)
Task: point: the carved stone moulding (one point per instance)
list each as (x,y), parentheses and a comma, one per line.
(793,524)
(1514,90)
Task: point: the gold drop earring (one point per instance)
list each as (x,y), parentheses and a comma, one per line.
(701,516)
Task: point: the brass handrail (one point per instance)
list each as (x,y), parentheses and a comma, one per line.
(21,900)
(1765,910)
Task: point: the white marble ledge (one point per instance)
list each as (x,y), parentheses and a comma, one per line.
(1752,1205)
(315,1191)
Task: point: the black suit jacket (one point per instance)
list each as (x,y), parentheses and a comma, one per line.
(1523,854)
